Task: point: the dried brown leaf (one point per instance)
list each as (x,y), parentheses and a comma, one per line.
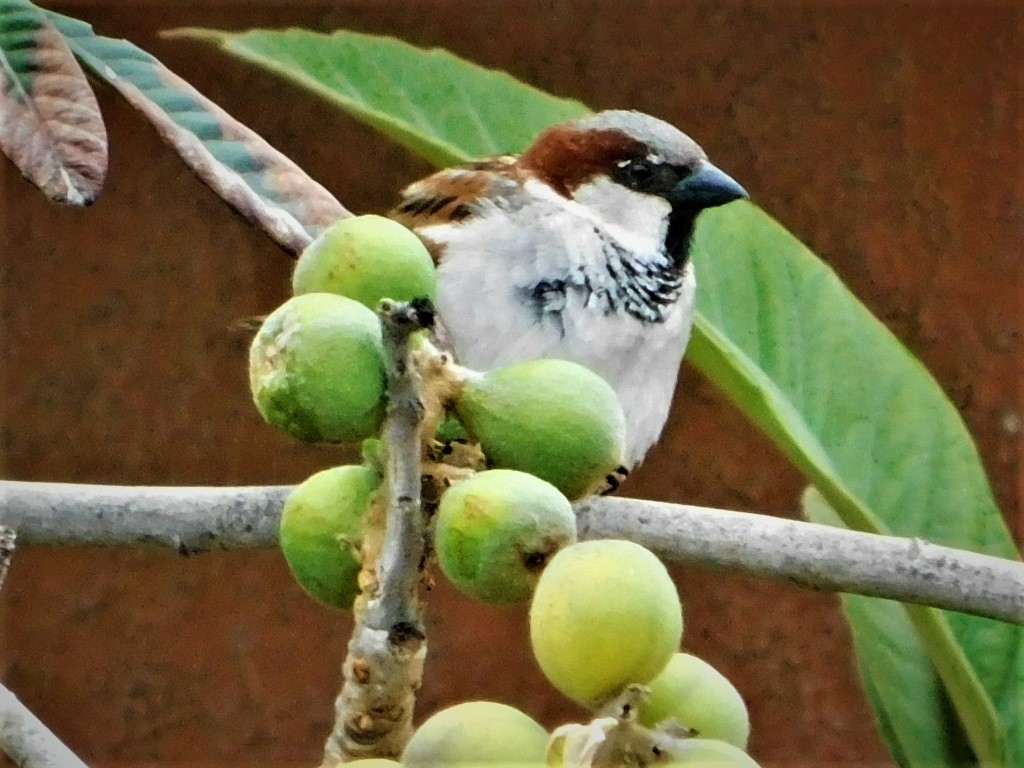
(50,123)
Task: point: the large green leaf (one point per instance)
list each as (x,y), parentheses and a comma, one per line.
(50,123)
(863,419)
(436,104)
(250,175)
(779,332)
(914,716)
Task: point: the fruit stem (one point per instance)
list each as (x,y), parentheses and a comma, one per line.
(384,666)
(442,381)
(630,743)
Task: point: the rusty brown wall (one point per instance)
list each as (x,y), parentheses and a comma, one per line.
(886,136)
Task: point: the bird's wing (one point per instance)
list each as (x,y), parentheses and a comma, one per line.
(452,196)
(456,194)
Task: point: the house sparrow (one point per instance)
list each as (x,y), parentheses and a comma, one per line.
(577,249)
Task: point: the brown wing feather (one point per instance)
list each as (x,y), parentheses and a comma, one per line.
(454,194)
(451,196)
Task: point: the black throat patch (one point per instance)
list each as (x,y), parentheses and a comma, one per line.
(678,239)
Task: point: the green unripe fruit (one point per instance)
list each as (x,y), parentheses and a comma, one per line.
(366,258)
(550,418)
(700,698)
(316,369)
(477,733)
(605,614)
(708,753)
(495,532)
(322,530)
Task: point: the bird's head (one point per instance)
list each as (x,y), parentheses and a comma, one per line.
(634,170)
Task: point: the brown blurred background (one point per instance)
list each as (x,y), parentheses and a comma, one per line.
(887,137)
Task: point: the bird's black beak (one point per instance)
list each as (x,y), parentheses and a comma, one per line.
(706,187)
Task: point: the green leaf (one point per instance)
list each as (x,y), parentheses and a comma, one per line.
(777,331)
(250,175)
(50,123)
(912,709)
(910,706)
(866,423)
(432,102)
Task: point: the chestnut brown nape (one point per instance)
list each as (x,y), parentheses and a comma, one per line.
(565,157)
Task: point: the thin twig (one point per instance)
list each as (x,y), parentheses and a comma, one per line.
(8,537)
(27,741)
(384,666)
(813,556)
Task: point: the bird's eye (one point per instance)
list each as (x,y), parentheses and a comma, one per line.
(636,174)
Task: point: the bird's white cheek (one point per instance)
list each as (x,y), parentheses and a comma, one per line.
(636,220)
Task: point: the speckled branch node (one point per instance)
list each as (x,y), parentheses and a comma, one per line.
(384,666)
(8,536)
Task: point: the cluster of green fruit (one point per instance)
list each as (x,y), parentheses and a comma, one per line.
(551,430)
(604,615)
(316,366)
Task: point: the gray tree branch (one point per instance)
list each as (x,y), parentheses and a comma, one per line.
(188,520)
(384,666)
(819,557)
(809,555)
(27,741)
